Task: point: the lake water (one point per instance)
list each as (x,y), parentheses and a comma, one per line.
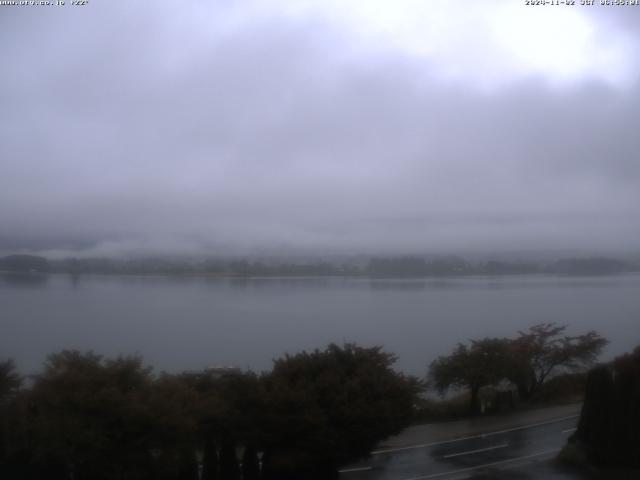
(190,323)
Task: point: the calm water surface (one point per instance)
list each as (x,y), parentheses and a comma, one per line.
(190,323)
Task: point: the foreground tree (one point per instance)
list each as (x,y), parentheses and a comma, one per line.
(10,381)
(543,350)
(330,407)
(89,417)
(172,404)
(229,415)
(609,427)
(526,361)
(480,364)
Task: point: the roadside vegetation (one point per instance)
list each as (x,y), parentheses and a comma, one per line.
(89,417)
(608,434)
(541,363)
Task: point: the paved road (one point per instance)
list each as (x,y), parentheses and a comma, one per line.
(479,455)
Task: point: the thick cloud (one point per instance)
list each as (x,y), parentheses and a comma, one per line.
(222,126)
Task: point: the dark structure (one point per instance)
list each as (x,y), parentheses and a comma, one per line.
(609,427)
(24,264)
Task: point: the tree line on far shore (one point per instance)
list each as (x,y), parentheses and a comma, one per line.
(376,267)
(89,417)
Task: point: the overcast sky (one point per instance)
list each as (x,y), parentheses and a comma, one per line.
(331,126)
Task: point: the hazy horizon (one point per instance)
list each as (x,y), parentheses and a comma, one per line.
(281,255)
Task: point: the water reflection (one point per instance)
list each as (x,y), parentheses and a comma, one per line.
(25,280)
(392,284)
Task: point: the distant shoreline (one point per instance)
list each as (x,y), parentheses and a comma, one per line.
(374,267)
(315,277)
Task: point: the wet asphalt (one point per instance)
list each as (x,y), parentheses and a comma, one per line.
(519,453)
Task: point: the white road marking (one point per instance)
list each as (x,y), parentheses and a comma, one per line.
(568,430)
(481,435)
(485,465)
(357,469)
(471,452)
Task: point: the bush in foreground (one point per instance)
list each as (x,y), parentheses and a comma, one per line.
(90,418)
(609,427)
